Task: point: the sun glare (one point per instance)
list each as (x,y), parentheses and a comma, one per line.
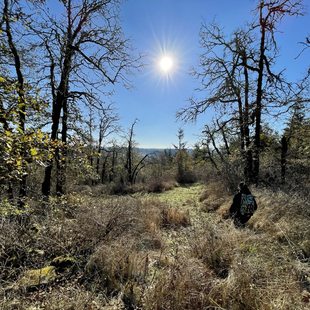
(166,61)
(166,64)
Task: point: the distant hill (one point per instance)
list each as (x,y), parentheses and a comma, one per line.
(155,151)
(144,151)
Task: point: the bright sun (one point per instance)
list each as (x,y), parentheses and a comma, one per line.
(166,64)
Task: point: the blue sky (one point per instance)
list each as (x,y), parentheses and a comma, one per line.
(156,26)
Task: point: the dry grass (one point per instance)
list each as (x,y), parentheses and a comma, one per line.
(65,297)
(213,197)
(214,245)
(261,279)
(131,253)
(117,265)
(285,218)
(227,268)
(182,285)
(173,217)
(124,227)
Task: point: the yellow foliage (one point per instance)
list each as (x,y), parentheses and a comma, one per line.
(33,152)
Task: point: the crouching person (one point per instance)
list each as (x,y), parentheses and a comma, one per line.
(243,206)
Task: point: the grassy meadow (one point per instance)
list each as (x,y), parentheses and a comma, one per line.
(168,250)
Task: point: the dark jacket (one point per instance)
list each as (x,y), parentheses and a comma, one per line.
(234,211)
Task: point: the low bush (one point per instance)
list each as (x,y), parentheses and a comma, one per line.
(160,185)
(186,177)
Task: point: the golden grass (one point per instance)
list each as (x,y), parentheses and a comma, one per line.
(182,285)
(116,265)
(173,217)
(131,253)
(213,197)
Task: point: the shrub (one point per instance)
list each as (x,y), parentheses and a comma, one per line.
(109,219)
(160,185)
(186,177)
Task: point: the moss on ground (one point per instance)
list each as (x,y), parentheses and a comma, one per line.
(36,277)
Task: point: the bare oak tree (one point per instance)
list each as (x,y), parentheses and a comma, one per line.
(84,52)
(237,76)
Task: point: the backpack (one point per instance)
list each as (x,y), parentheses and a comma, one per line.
(247,207)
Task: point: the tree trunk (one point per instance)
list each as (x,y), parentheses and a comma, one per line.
(113,165)
(259,95)
(98,161)
(46,185)
(221,127)
(58,104)
(210,157)
(129,163)
(284,150)
(62,158)
(104,169)
(22,101)
(248,173)
(211,136)
(99,155)
(3,121)
(138,168)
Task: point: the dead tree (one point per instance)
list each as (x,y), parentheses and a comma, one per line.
(224,74)
(209,154)
(108,125)
(224,136)
(211,137)
(114,160)
(132,169)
